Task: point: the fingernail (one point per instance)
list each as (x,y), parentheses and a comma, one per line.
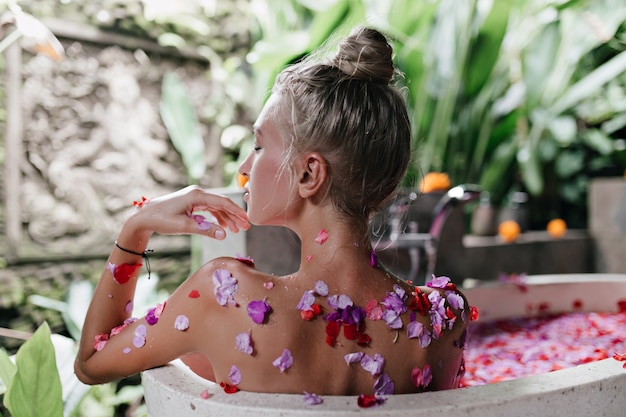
(220,234)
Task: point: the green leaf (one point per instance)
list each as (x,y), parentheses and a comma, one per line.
(179,117)
(598,141)
(485,50)
(36,388)
(563,129)
(569,163)
(591,83)
(530,169)
(7,369)
(538,62)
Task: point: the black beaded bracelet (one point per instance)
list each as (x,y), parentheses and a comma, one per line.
(143,254)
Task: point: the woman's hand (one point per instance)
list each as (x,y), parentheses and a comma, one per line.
(177,213)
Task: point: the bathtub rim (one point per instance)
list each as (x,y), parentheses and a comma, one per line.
(580,389)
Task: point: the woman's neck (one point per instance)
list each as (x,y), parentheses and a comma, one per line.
(331,245)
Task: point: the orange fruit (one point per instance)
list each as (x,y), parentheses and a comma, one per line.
(435,181)
(557,228)
(509,231)
(242,180)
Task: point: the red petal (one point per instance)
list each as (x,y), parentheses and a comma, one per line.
(349,331)
(124,272)
(364,340)
(193,294)
(307,315)
(317,309)
(228,389)
(622,306)
(332,329)
(366,401)
(473,313)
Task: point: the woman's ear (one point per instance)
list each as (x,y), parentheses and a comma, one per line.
(312,176)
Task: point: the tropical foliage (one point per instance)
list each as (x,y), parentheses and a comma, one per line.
(512,95)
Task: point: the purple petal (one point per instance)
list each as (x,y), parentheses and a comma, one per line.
(139,341)
(425,339)
(384,385)
(141,330)
(344,301)
(203,224)
(333,301)
(455,300)
(438,282)
(414,329)
(392,319)
(307,301)
(312,399)
(234,375)
(353,357)
(321,288)
(373,365)
(257,310)
(400,291)
(225,287)
(181,323)
(129,307)
(284,361)
(244,343)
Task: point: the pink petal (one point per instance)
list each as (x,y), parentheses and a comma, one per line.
(322,236)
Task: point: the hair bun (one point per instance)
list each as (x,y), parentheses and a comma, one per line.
(365,54)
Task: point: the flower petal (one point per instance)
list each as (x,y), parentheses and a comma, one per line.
(321,288)
(322,236)
(244,343)
(225,287)
(353,357)
(284,361)
(421,378)
(373,365)
(312,399)
(438,282)
(306,301)
(234,375)
(181,323)
(258,310)
(366,401)
(384,385)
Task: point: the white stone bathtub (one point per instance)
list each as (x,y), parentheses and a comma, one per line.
(593,389)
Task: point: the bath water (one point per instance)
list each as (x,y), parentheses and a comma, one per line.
(506,349)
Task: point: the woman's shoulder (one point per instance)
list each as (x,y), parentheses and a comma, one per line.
(237,269)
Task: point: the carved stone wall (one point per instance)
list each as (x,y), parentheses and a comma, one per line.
(93,142)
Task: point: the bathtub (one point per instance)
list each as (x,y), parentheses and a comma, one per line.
(596,388)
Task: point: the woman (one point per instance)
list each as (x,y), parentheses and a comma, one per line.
(331,145)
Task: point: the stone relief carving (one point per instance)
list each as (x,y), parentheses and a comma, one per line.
(94,142)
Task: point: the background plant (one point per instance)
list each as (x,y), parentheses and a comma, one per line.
(512,95)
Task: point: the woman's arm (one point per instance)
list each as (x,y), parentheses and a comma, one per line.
(111,304)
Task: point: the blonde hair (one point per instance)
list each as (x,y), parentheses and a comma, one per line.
(349,110)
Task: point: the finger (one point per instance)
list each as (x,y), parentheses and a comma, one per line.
(208,228)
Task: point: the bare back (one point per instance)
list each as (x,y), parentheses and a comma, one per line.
(321,343)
